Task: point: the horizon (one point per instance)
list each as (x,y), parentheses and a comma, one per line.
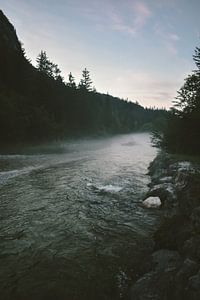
(111,40)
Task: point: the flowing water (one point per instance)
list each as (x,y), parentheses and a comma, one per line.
(71,221)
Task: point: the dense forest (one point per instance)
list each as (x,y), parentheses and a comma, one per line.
(36,104)
(182,129)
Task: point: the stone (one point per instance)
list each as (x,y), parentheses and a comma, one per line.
(158,283)
(191,247)
(195,219)
(152,202)
(165,192)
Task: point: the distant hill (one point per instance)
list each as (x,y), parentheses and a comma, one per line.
(35,107)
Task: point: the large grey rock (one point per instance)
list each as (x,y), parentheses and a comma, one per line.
(173,233)
(189,194)
(189,268)
(191,248)
(195,219)
(193,290)
(159,282)
(165,192)
(159,167)
(174,270)
(152,202)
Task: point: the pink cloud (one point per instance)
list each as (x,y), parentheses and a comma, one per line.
(112,16)
(142,13)
(118,23)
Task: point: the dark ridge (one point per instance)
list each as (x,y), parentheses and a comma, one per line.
(8,36)
(35,106)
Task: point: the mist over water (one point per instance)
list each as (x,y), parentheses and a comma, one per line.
(72,225)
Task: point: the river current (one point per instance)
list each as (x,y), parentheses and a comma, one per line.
(71,221)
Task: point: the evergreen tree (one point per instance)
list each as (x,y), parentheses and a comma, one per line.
(56,72)
(196,58)
(43,64)
(188,96)
(94,90)
(182,133)
(86,81)
(71,82)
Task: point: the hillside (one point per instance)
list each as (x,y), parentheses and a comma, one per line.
(34,106)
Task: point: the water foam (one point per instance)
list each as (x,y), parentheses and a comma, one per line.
(109,188)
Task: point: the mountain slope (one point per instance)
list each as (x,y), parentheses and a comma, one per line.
(34,106)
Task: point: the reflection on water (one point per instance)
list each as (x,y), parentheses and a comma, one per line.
(71,222)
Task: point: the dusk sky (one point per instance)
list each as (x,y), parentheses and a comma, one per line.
(140,50)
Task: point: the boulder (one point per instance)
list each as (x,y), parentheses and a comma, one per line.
(159,282)
(152,202)
(188,195)
(165,192)
(195,219)
(173,232)
(193,292)
(191,247)
(189,268)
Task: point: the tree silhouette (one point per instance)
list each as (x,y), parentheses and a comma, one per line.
(86,81)
(196,58)
(56,73)
(182,133)
(71,83)
(47,67)
(43,64)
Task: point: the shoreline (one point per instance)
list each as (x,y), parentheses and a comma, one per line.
(172,270)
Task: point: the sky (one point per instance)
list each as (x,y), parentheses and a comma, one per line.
(135,50)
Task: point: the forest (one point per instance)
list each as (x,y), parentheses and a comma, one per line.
(37,105)
(181,133)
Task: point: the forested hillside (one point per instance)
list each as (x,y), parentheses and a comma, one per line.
(36,104)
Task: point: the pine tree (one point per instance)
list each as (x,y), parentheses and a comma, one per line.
(182,132)
(71,82)
(86,81)
(43,64)
(196,58)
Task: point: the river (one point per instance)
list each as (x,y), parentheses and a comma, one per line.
(71,221)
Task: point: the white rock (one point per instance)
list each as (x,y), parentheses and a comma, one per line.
(152,202)
(166,179)
(184,166)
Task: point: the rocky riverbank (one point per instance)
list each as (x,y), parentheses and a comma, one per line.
(172,271)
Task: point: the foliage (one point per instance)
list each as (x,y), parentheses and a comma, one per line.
(71,83)
(86,81)
(35,103)
(47,67)
(182,134)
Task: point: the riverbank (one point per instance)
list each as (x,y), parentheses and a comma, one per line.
(172,270)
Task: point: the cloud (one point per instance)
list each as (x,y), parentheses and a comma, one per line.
(169,39)
(173,37)
(128,18)
(142,14)
(148,88)
(118,24)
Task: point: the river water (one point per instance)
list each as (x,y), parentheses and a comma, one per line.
(71,221)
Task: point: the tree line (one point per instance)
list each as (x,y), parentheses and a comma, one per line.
(182,129)
(45,66)
(36,104)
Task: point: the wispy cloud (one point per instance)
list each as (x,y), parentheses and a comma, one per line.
(117,23)
(141,14)
(169,39)
(110,16)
